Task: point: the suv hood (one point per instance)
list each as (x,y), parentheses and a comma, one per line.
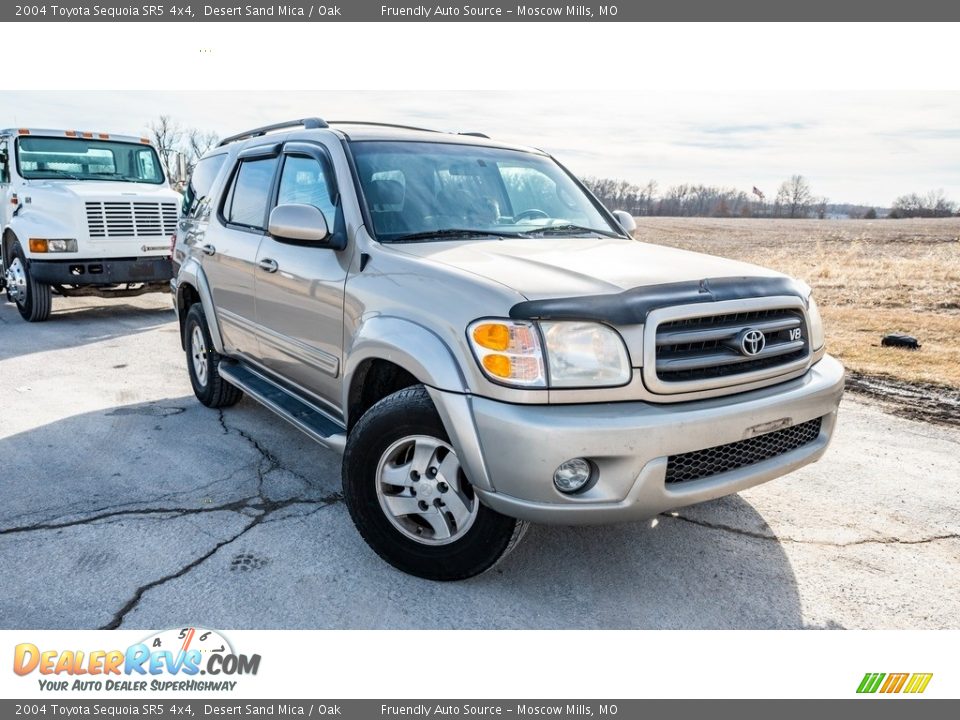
(541,268)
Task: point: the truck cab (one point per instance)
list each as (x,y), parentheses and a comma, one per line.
(83,213)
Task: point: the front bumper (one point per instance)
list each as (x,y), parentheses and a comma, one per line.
(520,446)
(107,271)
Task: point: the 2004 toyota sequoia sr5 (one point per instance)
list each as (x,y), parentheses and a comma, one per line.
(483,341)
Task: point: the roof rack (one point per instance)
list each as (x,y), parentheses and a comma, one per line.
(382,124)
(306,123)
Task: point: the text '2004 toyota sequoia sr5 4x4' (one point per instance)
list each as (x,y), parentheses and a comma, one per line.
(483,340)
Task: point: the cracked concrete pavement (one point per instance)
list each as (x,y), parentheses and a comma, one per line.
(125,503)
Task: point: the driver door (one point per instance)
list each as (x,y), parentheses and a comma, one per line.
(300,286)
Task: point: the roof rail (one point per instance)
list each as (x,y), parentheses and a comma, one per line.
(475,134)
(382,124)
(306,123)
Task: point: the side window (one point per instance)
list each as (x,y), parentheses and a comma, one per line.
(250,193)
(196,196)
(305,181)
(4,163)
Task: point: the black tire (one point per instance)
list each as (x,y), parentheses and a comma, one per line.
(211,389)
(410,412)
(38,303)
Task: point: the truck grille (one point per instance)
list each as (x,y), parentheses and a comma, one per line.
(722,458)
(131,219)
(709,347)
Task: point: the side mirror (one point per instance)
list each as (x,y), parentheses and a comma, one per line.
(303,223)
(181,167)
(626,221)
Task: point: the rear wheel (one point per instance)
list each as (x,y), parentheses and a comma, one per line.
(34,299)
(410,499)
(203,363)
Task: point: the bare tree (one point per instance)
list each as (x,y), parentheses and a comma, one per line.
(167,135)
(794,197)
(822,207)
(932,205)
(199,143)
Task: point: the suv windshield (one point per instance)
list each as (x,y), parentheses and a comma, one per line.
(81,159)
(424,191)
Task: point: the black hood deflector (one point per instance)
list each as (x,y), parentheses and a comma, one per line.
(631,307)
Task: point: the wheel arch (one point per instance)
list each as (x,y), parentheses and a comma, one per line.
(405,345)
(192,287)
(410,353)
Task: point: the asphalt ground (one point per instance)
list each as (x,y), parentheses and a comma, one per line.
(125,503)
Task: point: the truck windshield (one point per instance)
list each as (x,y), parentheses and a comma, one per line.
(421,191)
(52,158)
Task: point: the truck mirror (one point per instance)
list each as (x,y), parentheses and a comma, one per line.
(181,165)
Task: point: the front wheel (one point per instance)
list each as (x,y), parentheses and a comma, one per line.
(34,299)
(203,363)
(409,498)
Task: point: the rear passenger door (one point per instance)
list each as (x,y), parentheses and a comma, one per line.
(231,243)
(300,286)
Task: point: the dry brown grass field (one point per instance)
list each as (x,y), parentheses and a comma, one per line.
(870,277)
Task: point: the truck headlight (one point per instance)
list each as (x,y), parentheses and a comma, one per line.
(578,354)
(44,245)
(508,351)
(585,354)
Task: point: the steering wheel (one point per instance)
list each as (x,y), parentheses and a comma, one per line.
(532,214)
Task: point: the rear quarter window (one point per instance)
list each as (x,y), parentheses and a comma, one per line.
(197,195)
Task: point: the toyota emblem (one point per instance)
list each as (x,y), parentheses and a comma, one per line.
(752,342)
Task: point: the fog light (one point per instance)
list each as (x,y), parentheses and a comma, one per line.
(572,475)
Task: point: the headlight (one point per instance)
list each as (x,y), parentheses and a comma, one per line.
(578,354)
(585,354)
(508,351)
(817,337)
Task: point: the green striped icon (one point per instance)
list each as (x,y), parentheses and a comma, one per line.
(912,683)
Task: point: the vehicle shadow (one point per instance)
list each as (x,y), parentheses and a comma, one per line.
(80,321)
(235,520)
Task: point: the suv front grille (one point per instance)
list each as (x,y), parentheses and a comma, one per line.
(708,347)
(722,458)
(131,219)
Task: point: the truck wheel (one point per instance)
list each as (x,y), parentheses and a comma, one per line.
(34,299)
(203,363)
(410,499)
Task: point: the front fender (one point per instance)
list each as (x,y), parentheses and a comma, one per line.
(191,275)
(415,348)
(27,224)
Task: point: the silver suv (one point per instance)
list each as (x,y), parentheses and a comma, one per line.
(483,341)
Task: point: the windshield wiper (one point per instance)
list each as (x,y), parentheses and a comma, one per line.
(57,173)
(569,228)
(450,233)
(125,178)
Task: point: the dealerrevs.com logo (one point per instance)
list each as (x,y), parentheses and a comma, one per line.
(892,683)
(170,660)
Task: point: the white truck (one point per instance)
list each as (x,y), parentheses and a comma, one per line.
(83,213)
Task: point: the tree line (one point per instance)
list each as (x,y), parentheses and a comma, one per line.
(794,199)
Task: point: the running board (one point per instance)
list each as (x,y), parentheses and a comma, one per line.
(302,415)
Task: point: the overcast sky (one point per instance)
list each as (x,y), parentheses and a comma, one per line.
(852,146)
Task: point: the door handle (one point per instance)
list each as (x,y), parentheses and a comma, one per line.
(268,265)
(208,249)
